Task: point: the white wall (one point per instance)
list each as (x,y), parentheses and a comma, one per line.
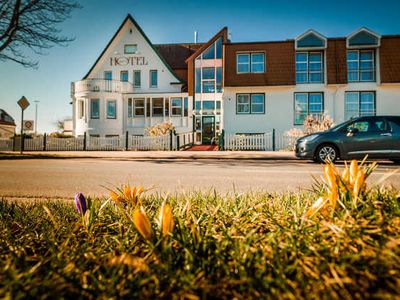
(279,105)
(116,49)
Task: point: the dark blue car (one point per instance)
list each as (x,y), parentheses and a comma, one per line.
(378,137)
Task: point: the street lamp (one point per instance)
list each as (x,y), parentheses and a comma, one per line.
(36,106)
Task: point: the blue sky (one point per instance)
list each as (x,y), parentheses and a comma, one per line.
(175,21)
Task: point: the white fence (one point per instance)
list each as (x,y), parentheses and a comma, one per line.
(104,143)
(248,141)
(6,144)
(149,143)
(269,141)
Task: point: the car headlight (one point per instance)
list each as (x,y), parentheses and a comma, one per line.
(310,138)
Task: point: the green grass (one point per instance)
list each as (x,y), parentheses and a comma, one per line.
(223,246)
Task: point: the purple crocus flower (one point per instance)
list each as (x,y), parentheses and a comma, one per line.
(80,203)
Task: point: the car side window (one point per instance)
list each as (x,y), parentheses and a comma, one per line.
(376,126)
(394,126)
(362,126)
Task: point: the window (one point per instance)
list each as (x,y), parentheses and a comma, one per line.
(257,62)
(153,79)
(130,108)
(81,109)
(198,80)
(309,67)
(209,53)
(198,107)
(307,104)
(124,76)
(157,104)
(243,63)
(250,104)
(219,79)
(138,107)
(107,75)
(111,109)
(166,107)
(186,107)
(94,108)
(360,65)
(250,63)
(176,107)
(136,79)
(218,48)
(208,80)
(208,105)
(130,49)
(358,104)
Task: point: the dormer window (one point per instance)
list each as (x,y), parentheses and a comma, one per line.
(361,55)
(130,49)
(310,57)
(310,40)
(363,38)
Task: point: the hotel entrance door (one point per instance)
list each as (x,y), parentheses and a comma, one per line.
(208,132)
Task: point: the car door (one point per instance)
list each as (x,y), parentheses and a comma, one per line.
(393,126)
(371,139)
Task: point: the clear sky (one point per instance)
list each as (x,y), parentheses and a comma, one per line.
(174,21)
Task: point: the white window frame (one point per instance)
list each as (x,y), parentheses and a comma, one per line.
(162,107)
(176,106)
(360,113)
(91,108)
(151,85)
(116,114)
(135,72)
(81,109)
(121,75)
(130,45)
(135,106)
(250,62)
(308,104)
(257,63)
(249,103)
(308,70)
(243,63)
(360,70)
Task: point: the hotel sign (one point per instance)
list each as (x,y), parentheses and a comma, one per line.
(128,61)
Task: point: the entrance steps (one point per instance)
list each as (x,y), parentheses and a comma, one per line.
(203,148)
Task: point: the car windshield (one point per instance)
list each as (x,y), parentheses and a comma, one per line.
(341,126)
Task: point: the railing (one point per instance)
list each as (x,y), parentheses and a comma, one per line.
(63,144)
(182,140)
(101,85)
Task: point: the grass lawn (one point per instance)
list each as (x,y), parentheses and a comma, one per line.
(213,246)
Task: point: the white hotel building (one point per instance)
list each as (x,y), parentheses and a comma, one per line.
(242,88)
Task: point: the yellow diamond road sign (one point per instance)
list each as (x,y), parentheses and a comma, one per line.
(23,103)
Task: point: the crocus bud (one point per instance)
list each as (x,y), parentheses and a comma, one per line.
(142,223)
(80,203)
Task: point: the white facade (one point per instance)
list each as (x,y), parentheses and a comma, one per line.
(101,105)
(279,105)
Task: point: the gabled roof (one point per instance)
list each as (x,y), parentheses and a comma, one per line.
(130,18)
(364,38)
(310,39)
(223,32)
(5,118)
(176,54)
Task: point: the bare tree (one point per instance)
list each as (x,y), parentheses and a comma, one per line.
(32,24)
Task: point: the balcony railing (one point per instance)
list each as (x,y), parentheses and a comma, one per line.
(101,85)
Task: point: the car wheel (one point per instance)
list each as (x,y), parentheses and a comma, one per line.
(326,152)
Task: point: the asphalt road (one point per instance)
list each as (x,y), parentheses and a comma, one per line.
(62,178)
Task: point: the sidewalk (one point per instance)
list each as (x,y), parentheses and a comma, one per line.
(150,155)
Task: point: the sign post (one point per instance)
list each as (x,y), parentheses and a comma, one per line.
(23,103)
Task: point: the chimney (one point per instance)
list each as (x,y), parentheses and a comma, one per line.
(195,37)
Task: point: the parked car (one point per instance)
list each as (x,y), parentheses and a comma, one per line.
(377,136)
